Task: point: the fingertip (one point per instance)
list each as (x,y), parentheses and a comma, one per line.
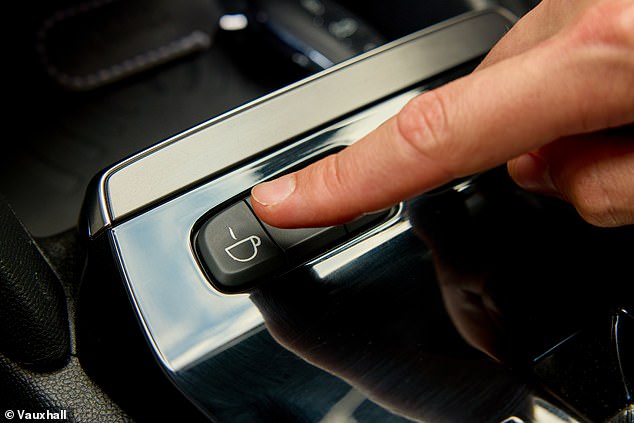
(274,192)
(269,199)
(284,203)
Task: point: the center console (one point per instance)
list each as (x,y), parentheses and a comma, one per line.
(368,321)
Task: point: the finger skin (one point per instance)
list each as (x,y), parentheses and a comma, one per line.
(578,82)
(539,24)
(594,173)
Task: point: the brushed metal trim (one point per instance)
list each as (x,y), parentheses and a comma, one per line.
(219,143)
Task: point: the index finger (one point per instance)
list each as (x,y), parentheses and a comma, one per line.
(472,124)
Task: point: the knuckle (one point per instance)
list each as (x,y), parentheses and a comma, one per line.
(423,126)
(331,176)
(603,24)
(593,199)
(599,47)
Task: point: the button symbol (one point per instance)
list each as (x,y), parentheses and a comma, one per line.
(255,242)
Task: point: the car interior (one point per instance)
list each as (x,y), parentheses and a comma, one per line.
(137,283)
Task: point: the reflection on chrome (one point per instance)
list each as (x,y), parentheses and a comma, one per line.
(349,254)
(544,412)
(343,410)
(619,358)
(462,186)
(244,326)
(625,416)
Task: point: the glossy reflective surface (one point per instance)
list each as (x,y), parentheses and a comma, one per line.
(527,281)
(407,323)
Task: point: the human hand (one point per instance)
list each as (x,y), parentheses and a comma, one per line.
(541,100)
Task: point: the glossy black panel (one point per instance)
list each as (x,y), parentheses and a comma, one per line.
(593,371)
(527,281)
(476,268)
(379,324)
(534,271)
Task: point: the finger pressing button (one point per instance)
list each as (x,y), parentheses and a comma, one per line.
(304,243)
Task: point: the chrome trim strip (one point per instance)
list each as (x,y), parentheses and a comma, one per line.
(96,208)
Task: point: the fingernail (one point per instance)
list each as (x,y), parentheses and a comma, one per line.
(531,172)
(275,191)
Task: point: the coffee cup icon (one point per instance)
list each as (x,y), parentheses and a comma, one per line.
(238,250)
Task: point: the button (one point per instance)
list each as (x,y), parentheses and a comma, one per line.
(235,249)
(302,243)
